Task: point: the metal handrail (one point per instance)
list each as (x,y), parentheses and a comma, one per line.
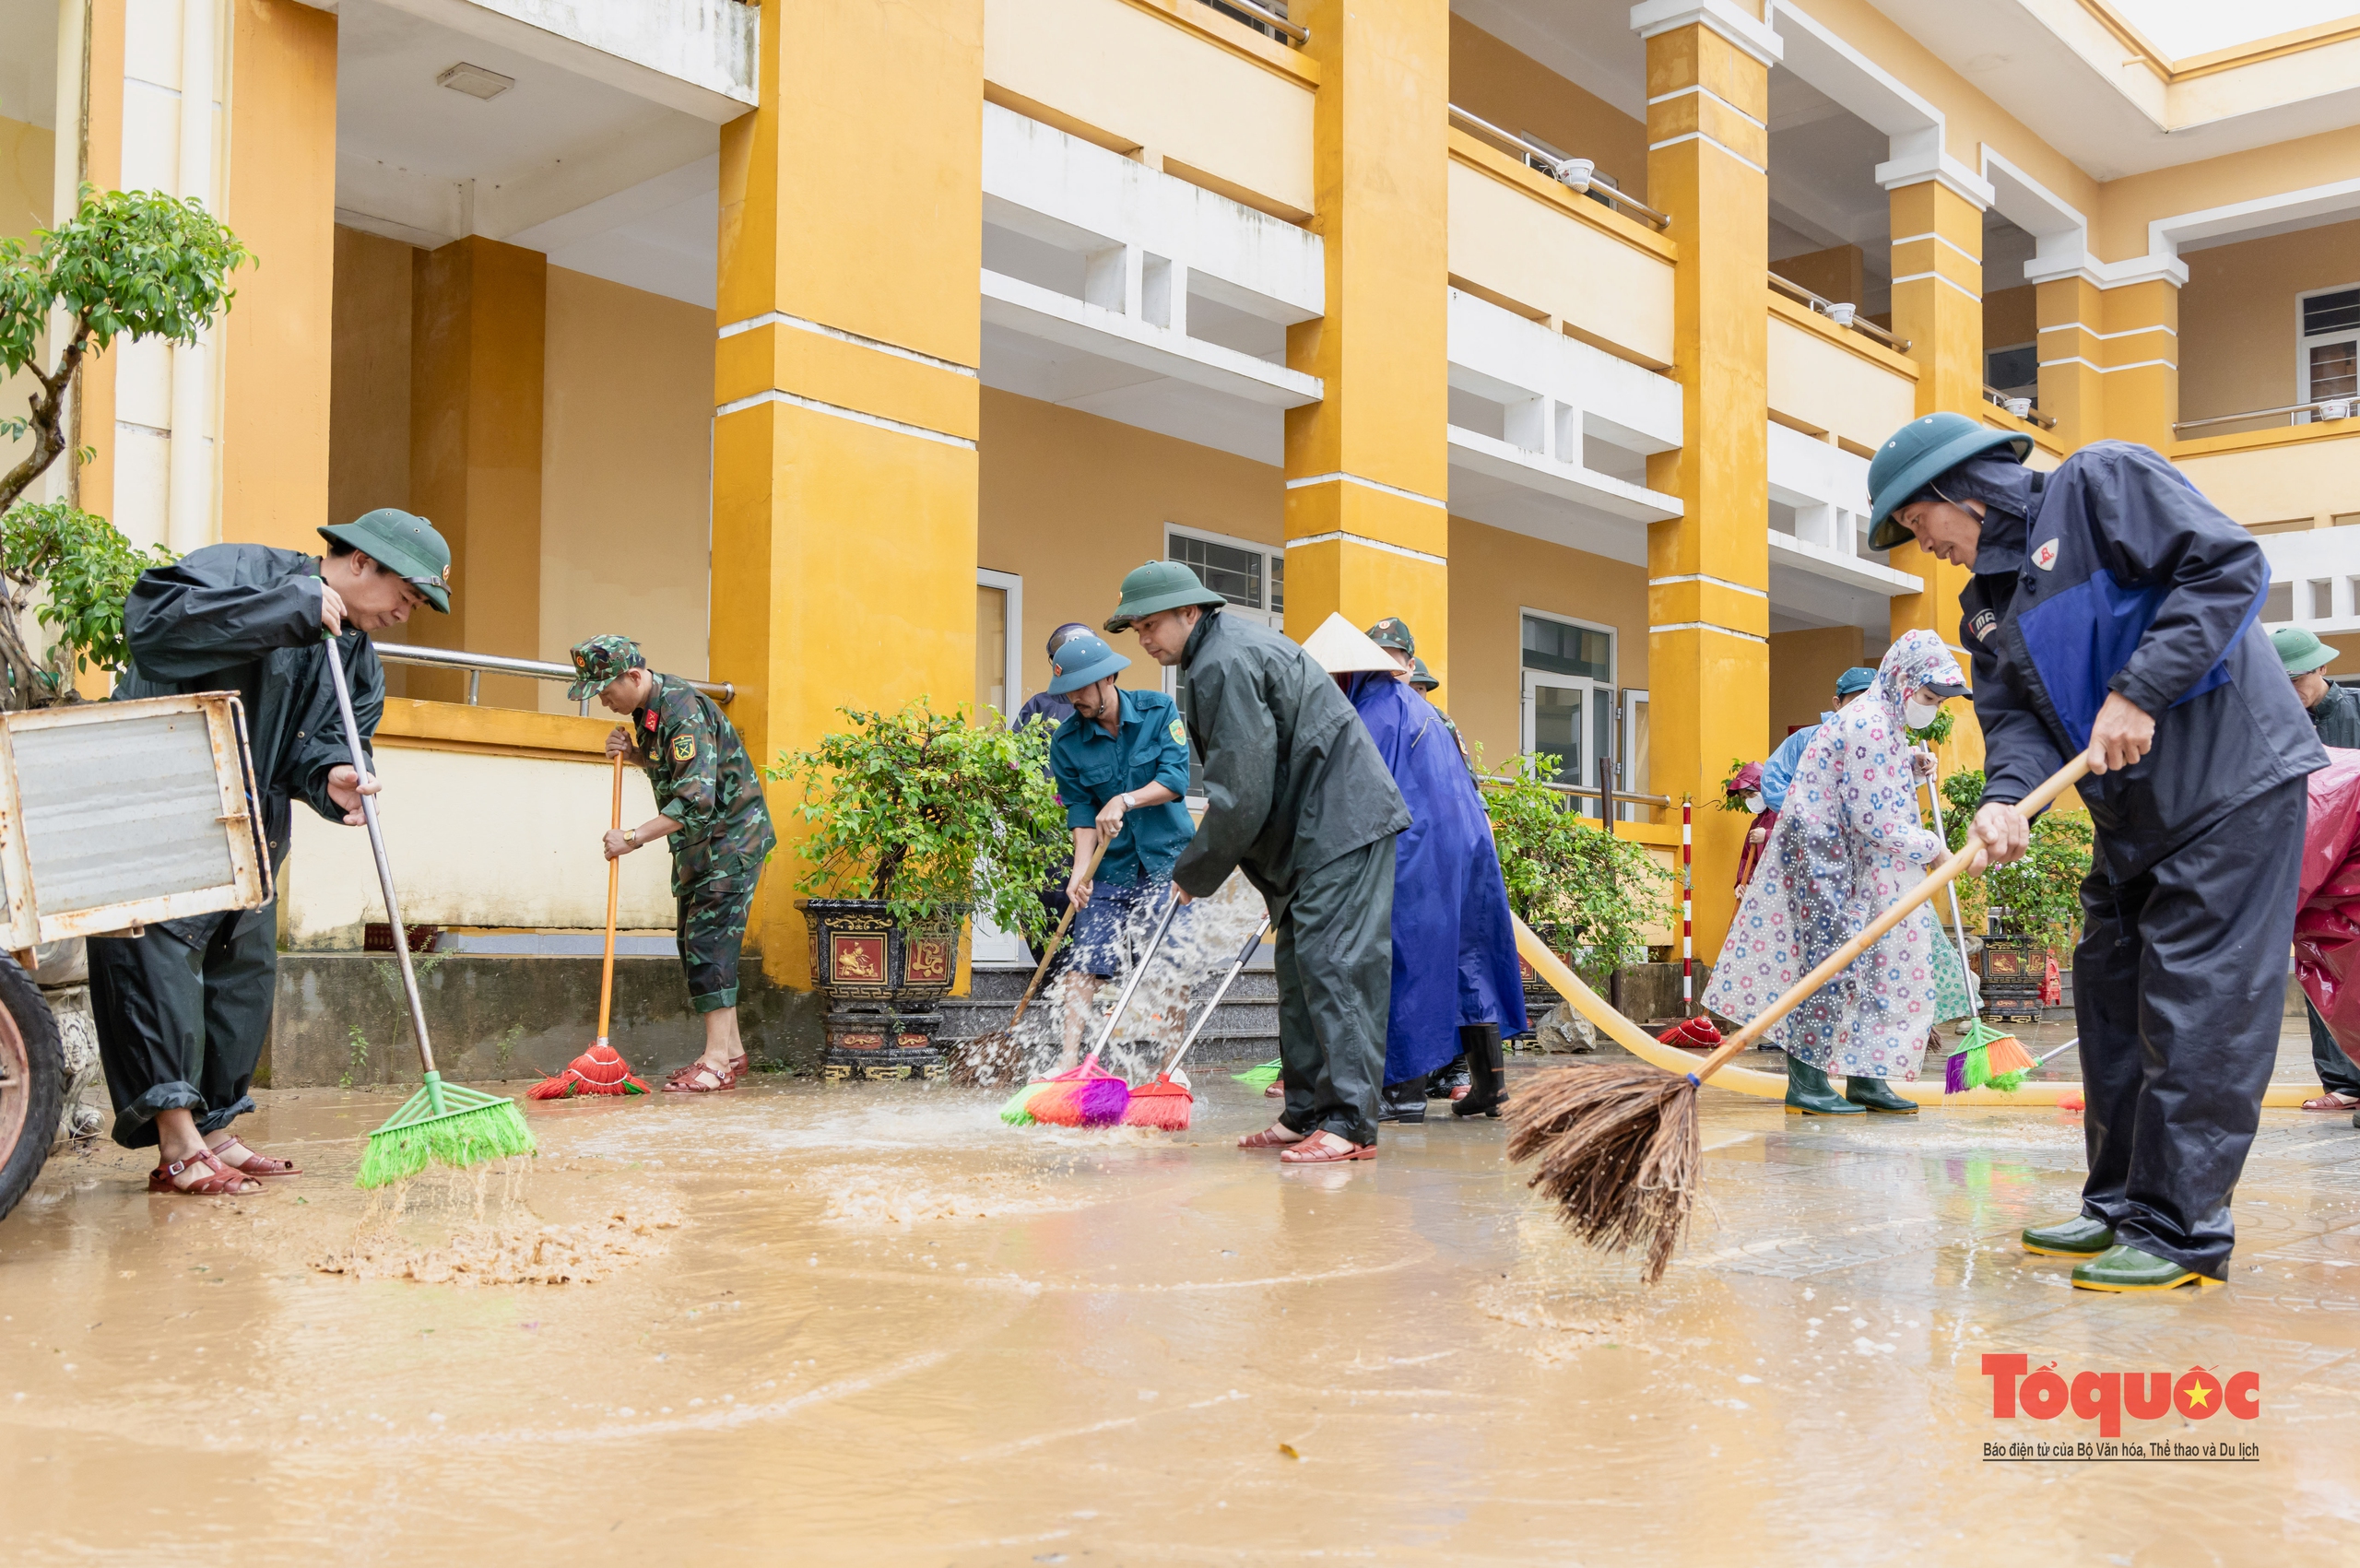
(1992,394)
(2351,404)
(479,664)
(1587,792)
(1574,172)
(1827,307)
(1262,16)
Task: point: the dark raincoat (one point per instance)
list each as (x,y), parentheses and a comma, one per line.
(2110,574)
(2326,924)
(182,1010)
(1453,950)
(1299,800)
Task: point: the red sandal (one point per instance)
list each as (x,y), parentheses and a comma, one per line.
(222,1181)
(1278,1135)
(1316,1151)
(685,1081)
(256,1164)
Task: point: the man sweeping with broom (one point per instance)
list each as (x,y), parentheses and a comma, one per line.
(1301,802)
(2113,613)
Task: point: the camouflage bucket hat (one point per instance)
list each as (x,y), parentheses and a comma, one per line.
(1393,632)
(599,662)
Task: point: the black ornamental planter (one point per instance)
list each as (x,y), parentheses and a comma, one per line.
(881,981)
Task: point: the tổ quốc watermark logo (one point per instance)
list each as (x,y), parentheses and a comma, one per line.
(2020,1391)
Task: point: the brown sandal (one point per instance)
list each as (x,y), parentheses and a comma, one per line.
(1278,1135)
(1313,1151)
(685,1081)
(256,1164)
(223,1182)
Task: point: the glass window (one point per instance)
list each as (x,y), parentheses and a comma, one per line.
(2012,370)
(2335,371)
(2339,312)
(1557,729)
(1558,649)
(991,650)
(1235,574)
(1278,583)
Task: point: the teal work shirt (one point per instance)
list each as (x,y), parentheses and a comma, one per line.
(1093,767)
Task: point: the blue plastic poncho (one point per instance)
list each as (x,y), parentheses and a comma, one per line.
(1454,952)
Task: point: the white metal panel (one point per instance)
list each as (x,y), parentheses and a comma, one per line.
(114,813)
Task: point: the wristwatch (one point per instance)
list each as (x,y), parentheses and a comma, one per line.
(631,837)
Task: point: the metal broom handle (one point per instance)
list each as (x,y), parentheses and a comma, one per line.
(384,866)
(1213,1007)
(1841,959)
(1154,946)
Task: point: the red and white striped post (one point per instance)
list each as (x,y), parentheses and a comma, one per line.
(1687,942)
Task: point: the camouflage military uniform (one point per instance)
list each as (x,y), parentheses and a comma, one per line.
(704,780)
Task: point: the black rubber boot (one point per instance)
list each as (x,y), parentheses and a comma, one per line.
(1450,1081)
(1808,1092)
(1404,1103)
(1875,1094)
(1486,1069)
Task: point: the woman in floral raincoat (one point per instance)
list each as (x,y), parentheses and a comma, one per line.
(1847,844)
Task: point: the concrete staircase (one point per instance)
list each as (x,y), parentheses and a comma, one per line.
(1246,1029)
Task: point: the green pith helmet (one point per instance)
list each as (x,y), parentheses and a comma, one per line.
(1084,660)
(1917,453)
(1421,677)
(1159,586)
(405,546)
(1394,633)
(2300,651)
(599,662)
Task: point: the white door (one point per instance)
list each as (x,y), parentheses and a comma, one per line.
(1568,718)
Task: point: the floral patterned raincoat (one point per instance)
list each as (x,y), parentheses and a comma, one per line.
(1848,844)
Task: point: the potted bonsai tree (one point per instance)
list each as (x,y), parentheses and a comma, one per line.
(917,818)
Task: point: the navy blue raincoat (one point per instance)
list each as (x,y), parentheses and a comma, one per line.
(1453,950)
(2112,574)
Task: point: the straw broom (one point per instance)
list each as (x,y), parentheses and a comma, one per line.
(1615,1144)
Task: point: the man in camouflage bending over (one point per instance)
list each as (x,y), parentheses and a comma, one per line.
(710,807)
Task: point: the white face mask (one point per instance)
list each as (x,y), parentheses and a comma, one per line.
(1919,715)
(1755,802)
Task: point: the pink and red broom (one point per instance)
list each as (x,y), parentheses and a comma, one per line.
(601,1069)
(1091,1097)
(1166,1102)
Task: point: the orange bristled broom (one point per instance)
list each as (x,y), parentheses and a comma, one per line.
(1097,1098)
(1166,1102)
(601,1069)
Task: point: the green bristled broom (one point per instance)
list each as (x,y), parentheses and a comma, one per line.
(445,1123)
(1986,1057)
(1262,1075)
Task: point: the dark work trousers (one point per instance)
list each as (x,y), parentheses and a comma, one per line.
(2337,1075)
(182,1013)
(1335,971)
(2179,984)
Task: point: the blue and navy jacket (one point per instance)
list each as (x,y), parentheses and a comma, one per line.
(2119,576)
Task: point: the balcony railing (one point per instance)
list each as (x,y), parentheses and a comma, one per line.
(2018,405)
(1580,173)
(1841,314)
(1268,20)
(2325,410)
(479,664)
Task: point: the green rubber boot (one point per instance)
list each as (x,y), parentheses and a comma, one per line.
(2079,1237)
(2125,1268)
(1875,1094)
(1808,1092)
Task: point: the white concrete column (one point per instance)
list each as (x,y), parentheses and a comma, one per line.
(193,485)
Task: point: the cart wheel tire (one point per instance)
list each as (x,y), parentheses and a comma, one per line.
(32,1083)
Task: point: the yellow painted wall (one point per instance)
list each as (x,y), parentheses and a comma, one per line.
(25,180)
(1518,94)
(2011,316)
(1161,75)
(2274,475)
(1837,275)
(1522,237)
(369,398)
(2238,322)
(1495,577)
(626,474)
(1072,502)
(281,202)
(1803,667)
(1828,378)
(2131,203)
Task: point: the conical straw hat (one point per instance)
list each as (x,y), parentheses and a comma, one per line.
(1342,648)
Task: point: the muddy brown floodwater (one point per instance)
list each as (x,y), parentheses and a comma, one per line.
(871,1324)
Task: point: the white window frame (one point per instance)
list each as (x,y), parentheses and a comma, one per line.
(1274,619)
(1597,689)
(2302,346)
(1011,583)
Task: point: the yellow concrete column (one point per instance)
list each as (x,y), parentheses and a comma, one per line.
(1938,310)
(847,400)
(1708,569)
(1367,519)
(2142,361)
(2072,358)
(274,344)
(477,315)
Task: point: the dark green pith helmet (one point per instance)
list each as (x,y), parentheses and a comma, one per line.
(600,662)
(1917,453)
(1394,633)
(1159,586)
(405,546)
(1421,677)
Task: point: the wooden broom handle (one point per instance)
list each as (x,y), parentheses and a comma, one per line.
(1057,936)
(614,886)
(1841,959)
